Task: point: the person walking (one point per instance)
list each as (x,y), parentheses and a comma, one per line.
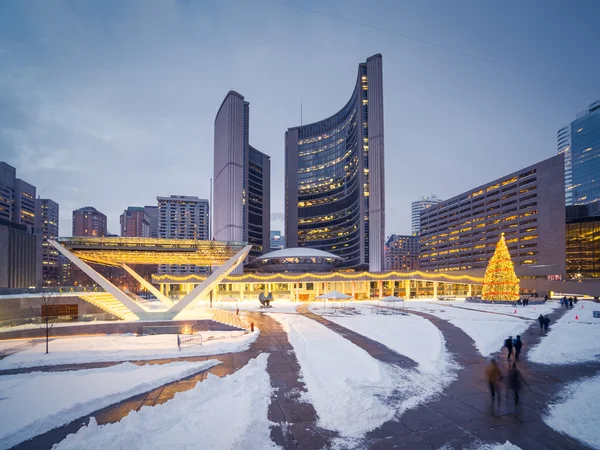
(508,343)
(545,298)
(515,382)
(546,323)
(493,375)
(571,302)
(517,344)
(541,321)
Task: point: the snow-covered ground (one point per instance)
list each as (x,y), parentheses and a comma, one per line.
(577,410)
(506,446)
(574,338)
(219,413)
(488,331)
(34,403)
(125,347)
(530,312)
(351,391)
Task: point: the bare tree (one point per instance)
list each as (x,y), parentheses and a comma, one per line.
(47,311)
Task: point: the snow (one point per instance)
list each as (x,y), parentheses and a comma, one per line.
(125,347)
(529,312)
(506,446)
(570,340)
(278,306)
(351,391)
(577,410)
(34,403)
(219,413)
(487,330)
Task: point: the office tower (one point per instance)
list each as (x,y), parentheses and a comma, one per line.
(277,240)
(48,219)
(401,252)
(135,222)
(563,139)
(242,180)
(416,208)
(585,155)
(152,213)
(183,217)
(20,240)
(334,177)
(527,206)
(89,222)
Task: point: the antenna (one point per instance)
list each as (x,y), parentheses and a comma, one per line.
(301,114)
(210,212)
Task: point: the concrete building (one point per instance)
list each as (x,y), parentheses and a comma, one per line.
(88,221)
(183,217)
(334,177)
(152,213)
(242,180)
(20,240)
(527,206)
(48,220)
(401,252)
(583,241)
(416,207)
(135,222)
(277,240)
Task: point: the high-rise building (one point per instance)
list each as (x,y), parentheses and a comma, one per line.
(277,240)
(401,252)
(183,217)
(20,239)
(334,177)
(135,222)
(527,206)
(48,219)
(152,213)
(88,221)
(242,180)
(563,140)
(416,208)
(583,241)
(585,155)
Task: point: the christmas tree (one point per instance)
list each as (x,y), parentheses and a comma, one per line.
(500,281)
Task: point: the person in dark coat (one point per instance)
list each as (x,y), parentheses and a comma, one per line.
(571,302)
(515,382)
(508,343)
(517,344)
(493,375)
(541,321)
(545,298)
(546,323)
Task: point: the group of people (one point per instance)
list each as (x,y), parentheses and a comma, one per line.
(544,322)
(568,302)
(514,380)
(515,344)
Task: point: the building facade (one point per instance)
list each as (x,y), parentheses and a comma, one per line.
(152,213)
(277,240)
(401,252)
(527,206)
(334,177)
(585,155)
(563,140)
(583,241)
(88,221)
(416,208)
(183,217)
(135,222)
(48,219)
(242,180)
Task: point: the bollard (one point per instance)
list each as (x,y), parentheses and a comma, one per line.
(237,312)
(251,326)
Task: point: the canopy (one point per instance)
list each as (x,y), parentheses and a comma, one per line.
(334,295)
(391,298)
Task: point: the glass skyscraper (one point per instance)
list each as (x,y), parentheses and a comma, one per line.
(335,177)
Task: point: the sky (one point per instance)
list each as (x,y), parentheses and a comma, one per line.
(112,103)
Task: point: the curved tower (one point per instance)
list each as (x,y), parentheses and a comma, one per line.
(334,177)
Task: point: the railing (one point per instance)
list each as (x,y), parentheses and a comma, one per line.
(190,340)
(35,321)
(53,290)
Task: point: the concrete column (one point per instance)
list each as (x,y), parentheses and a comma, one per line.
(353,289)
(406,289)
(241,292)
(297,292)
(469,290)
(380,288)
(435,289)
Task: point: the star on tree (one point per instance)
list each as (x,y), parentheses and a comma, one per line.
(500,281)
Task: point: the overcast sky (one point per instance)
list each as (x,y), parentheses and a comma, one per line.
(111,103)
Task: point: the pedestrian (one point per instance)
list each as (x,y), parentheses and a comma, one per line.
(546,323)
(508,343)
(545,298)
(541,321)
(575,300)
(517,344)
(571,302)
(566,303)
(515,382)
(493,375)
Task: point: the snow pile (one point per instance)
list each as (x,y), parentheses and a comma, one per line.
(530,312)
(488,331)
(570,340)
(125,347)
(34,403)
(351,391)
(219,413)
(576,412)
(506,446)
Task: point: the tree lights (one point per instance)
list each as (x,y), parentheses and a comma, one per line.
(500,281)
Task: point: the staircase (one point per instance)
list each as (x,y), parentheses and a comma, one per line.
(230,319)
(110,304)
